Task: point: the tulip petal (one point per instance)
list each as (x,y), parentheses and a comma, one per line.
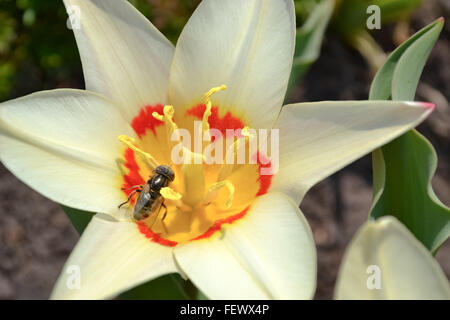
(124,56)
(63,143)
(246,45)
(406,269)
(317,139)
(111,257)
(268,254)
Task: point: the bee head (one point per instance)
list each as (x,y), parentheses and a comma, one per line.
(165,171)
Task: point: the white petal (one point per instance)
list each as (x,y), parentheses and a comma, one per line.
(405,267)
(268,254)
(317,139)
(111,257)
(246,45)
(124,56)
(63,144)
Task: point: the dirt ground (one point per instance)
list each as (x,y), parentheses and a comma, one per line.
(36,237)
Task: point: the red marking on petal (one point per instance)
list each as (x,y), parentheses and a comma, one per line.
(264,180)
(155,237)
(218,224)
(428,105)
(133,178)
(145,120)
(228,121)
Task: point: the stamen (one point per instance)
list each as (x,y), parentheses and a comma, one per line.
(174,198)
(233,150)
(240,142)
(216,187)
(171,126)
(246,133)
(168,111)
(207,113)
(147,158)
(169,193)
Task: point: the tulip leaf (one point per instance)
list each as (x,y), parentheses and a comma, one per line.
(308,41)
(167,287)
(403,169)
(80,219)
(201,296)
(351,15)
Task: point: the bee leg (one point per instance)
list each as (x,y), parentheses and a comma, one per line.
(129,197)
(162,220)
(165,212)
(138,186)
(164,216)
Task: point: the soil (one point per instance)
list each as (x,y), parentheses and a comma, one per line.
(36,237)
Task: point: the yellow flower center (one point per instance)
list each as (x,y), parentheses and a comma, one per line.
(213,187)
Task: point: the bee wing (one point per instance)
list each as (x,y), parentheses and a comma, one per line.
(156,209)
(143,198)
(127,213)
(126,208)
(157,204)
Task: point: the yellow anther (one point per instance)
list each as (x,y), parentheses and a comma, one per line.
(147,158)
(169,193)
(208,103)
(216,187)
(214,90)
(168,111)
(206,114)
(171,126)
(238,143)
(157,116)
(248,136)
(233,150)
(175,198)
(245,132)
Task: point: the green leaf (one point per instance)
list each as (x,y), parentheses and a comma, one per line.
(80,219)
(351,15)
(403,169)
(201,296)
(309,40)
(168,287)
(383,81)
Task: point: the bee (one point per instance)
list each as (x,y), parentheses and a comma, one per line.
(150,199)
